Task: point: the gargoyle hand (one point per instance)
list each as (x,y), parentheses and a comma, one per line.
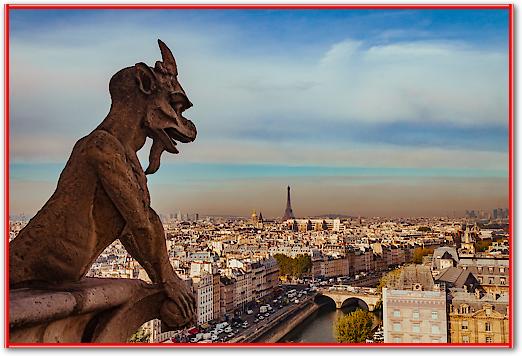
(179,310)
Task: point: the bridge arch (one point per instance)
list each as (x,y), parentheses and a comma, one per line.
(324,299)
(366,299)
(355,300)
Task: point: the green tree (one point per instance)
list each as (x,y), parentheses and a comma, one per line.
(419,253)
(389,280)
(303,265)
(140,336)
(355,327)
(284,263)
(482,245)
(297,267)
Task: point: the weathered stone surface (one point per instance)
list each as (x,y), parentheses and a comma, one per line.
(92,310)
(102,195)
(29,307)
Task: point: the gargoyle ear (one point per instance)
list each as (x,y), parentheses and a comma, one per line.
(145,78)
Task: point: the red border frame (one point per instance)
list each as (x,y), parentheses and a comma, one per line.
(8,7)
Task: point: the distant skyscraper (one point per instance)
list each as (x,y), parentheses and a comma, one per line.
(289,214)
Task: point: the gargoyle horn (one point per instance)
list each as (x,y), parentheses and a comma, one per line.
(168,59)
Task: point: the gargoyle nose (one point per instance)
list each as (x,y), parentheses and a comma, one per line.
(181,100)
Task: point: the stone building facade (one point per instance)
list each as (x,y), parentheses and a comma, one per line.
(203,288)
(216,296)
(492,273)
(331,267)
(478,318)
(414,316)
(227,292)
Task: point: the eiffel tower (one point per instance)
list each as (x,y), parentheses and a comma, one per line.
(289,214)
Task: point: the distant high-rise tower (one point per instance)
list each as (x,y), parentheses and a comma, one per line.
(289,214)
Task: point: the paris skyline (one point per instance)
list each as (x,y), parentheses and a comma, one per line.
(391,113)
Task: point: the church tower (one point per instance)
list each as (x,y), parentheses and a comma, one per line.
(467,244)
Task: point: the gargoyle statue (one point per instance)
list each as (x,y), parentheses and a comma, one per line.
(102,192)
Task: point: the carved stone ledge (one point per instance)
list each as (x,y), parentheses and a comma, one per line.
(96,310)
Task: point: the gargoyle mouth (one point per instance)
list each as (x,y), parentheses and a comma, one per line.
(175,128)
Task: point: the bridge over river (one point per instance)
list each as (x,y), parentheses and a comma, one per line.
(344,294)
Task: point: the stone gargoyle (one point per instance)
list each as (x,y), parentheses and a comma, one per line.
(102,193)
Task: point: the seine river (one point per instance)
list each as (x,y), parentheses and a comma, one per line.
(319,326)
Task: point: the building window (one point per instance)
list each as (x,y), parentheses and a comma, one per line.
(464,325)
(502,270)
(503,281)
(488,326)
(491,281)
(490,269)
(465,339)
(416,315)
(489,339)
(396,313)
(415,328)
(435,329)
(480,269)
(396,326)
(480,280)
(434,315)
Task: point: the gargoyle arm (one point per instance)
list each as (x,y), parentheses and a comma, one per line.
(143,235)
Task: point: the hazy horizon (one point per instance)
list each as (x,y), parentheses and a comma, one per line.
(361,112)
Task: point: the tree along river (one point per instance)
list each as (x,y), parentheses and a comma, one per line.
(319,327)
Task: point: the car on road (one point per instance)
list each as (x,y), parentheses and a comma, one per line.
(296,301)
(250,312)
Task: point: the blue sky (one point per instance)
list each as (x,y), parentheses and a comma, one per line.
(346,103)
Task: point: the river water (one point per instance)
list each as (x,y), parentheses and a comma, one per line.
(319,326)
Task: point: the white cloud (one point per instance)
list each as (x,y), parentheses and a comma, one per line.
(59,86)
(340,52)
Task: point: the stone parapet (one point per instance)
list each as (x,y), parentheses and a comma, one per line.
(95,310)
